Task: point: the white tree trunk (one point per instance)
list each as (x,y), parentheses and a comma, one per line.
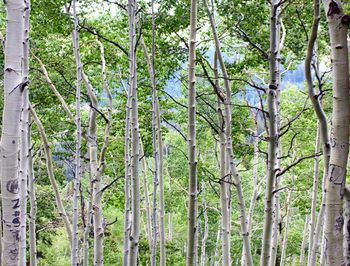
(303,244)
(192,189)
(206,230)
(339,134)
(78,170)
(285,237)
(273,145)
(25,137)
(135,149)
(33,209)
(50,173)
(10,137)
(231,170)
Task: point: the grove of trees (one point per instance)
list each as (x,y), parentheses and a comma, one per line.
(212,132)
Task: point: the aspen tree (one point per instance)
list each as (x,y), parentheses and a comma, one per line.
(50,172)
(339,138)
(273,145)
(230,166)
(75,233)
(192,189)
(10,136)
(24,150)
(33,206)
(135,134)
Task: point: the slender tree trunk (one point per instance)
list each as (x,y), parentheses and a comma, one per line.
(92,144)
(10,137)
(158,147)
(86,234)
(285,237)
(127,165)
(255,188)
(145,189)
(314,195)
(316,100)
(135,150)
(78,172)
(192,190)
(303,244)
(33,205)
(50,173)
(24,150)
(231,167)
(224,185)
(273,144)
(206,230)
(53,87)
(339,134)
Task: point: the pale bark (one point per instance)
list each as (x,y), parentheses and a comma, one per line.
(273,145)
(192,189)
(314,195)
(206,230)
(231,170)
(50,173)
(316,100)
(339,134)
(127,165)
(25,137)
(135,149)
(53,87)
(33,209)
(78,169)
(303,243)
(95,176)
(158,147)
(285,236)
(10,137)
(224,185)
(87,228)
(145,190)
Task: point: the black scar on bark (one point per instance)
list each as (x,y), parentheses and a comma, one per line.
(333,9)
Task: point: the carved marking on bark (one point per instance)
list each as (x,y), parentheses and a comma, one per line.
(12,186)
(336,177)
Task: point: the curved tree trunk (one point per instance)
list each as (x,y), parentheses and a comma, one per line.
(10,137)
(339,134)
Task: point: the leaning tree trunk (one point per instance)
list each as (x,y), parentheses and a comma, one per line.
(24,150)
(338,28)
(78,170)
(10,137)
(273,144)
(316,99)
(192,189)
(135,149)
(50,173)
(231,170)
